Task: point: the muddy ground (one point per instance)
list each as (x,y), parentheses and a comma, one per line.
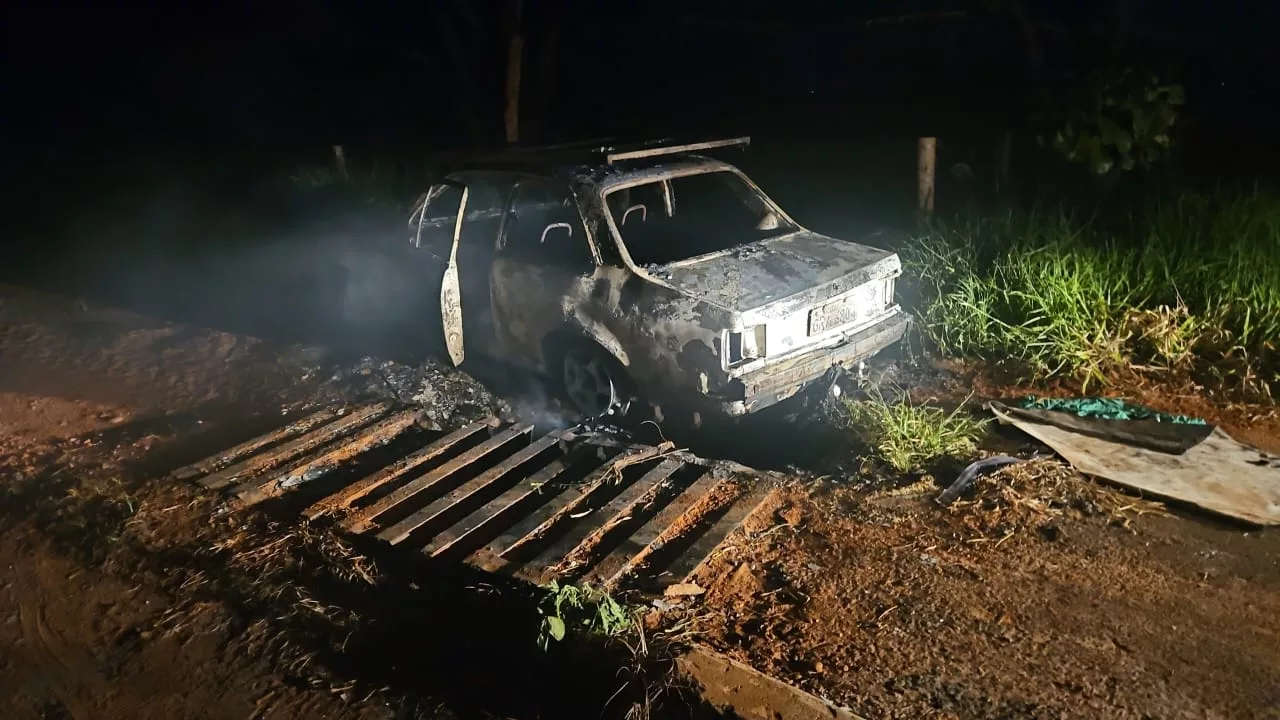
(1045,595)
(92,607)
(126,595)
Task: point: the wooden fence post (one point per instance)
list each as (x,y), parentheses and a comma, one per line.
(340,161)
(515,58)
(926,166)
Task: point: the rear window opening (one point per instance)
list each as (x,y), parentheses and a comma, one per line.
(683,217)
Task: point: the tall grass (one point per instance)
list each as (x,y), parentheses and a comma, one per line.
(1191,283)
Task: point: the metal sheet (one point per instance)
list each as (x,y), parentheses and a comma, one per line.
(1217,474)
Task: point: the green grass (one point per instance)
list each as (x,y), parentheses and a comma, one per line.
(1183,284)
(580,607)
(908,436)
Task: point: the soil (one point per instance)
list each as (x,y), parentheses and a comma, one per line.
(127,595)
(1042,594)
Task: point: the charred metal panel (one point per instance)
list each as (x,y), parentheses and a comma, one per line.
(775,383)
(668,324)
(781,275)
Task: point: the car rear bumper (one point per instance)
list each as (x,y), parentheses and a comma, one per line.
(774,383)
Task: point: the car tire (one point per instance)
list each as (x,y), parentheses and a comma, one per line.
(594,382)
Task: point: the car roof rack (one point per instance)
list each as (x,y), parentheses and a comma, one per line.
(592,152)
(659,150)
(595,145)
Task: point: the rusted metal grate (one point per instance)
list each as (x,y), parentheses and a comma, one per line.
(496,495)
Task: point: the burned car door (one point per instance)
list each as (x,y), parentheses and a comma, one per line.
(543,268)
(456,226)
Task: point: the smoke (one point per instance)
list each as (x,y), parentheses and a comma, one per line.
(316,270)
(298,283)
(375,288)
(536,404)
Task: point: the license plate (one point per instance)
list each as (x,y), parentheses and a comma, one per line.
(833,315)
(845,311)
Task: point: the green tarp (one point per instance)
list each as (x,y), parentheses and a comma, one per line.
(1105,409)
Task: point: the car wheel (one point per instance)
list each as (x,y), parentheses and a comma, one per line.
(595,383)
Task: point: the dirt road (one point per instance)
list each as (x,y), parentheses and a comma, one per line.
(1038,602)
(1046,594)
(125,596)
(87,399)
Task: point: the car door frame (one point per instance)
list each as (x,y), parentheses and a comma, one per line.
(518,339)
(450,290)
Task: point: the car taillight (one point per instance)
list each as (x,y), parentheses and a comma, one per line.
(747,345)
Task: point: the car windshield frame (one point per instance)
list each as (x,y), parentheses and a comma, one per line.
(786,225)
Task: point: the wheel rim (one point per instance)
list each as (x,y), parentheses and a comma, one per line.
(588,384)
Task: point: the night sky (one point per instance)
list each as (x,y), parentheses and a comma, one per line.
(431,71)
(141,136)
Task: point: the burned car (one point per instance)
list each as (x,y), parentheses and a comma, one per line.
(654,274)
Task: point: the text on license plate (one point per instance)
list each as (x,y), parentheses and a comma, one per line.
(833,315)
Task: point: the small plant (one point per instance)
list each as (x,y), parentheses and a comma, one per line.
(582,607)
(111,496)
(909,436)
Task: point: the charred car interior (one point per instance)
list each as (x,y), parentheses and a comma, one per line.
(649,275)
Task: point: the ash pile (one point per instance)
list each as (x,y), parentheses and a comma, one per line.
(448,398)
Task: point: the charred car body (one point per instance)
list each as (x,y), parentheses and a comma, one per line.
(655,272)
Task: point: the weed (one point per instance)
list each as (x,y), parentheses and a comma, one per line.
(1185,285)
(1036,495)
(909,436)
(91,516)
(581,607)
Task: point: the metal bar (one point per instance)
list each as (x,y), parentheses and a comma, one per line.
(297,448)
(381,433)
(693,557)
(575,145)
(676,149)
(490,556)
(344,498)
(362,520)
(681,526)
(723,466)
(551,515)
(641,542)
(576,546)
(436,512)
(497,510)
(521,153)
(249,447)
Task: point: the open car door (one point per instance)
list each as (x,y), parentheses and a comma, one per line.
(437,227)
